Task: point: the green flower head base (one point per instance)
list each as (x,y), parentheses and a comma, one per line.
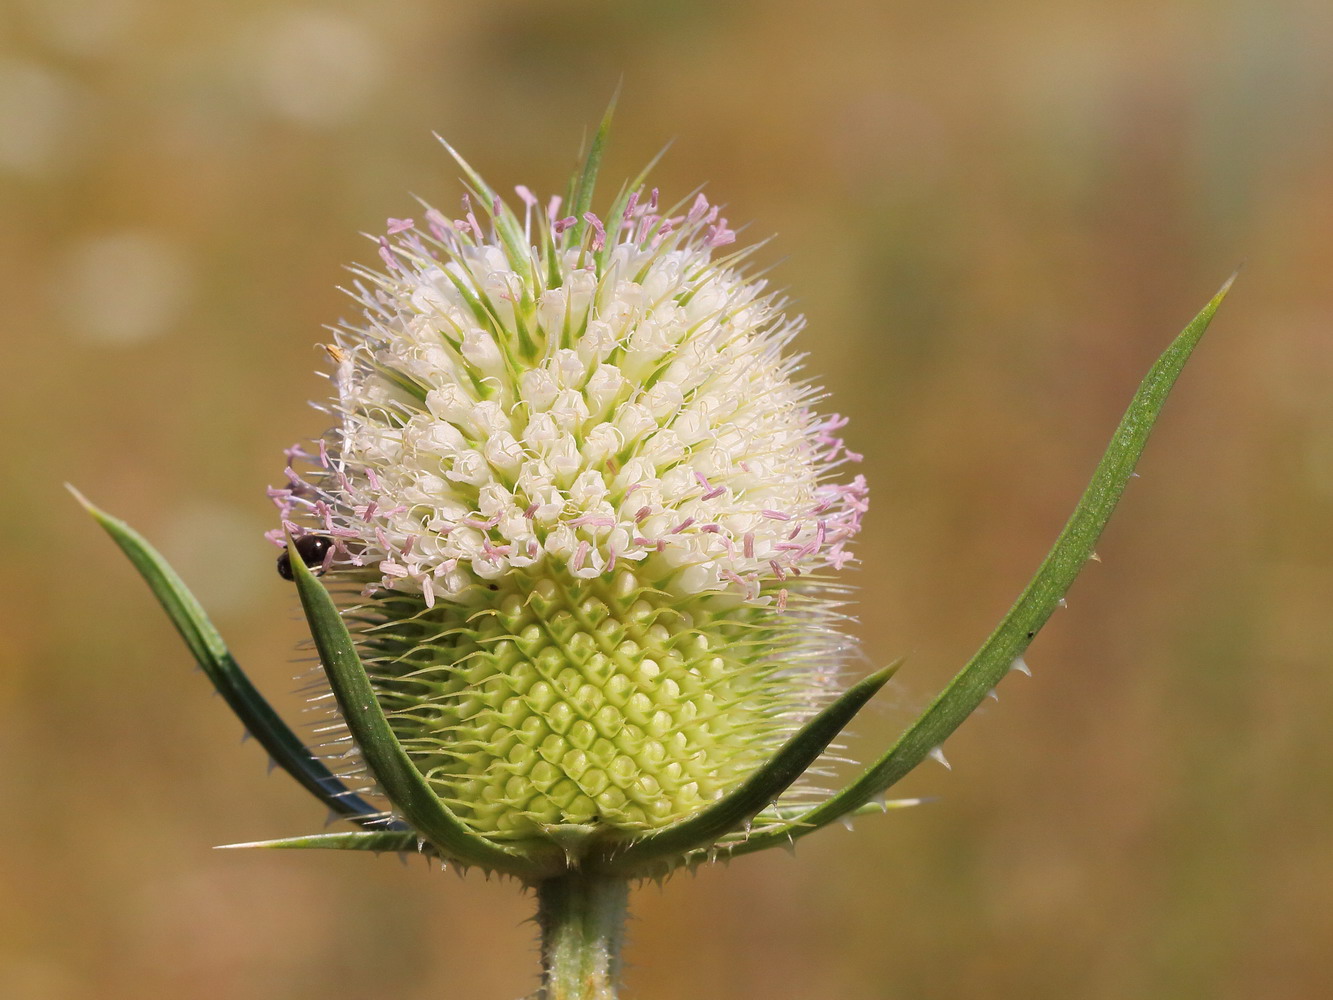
(591,513)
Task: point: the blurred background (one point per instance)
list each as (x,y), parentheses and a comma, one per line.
(993,214)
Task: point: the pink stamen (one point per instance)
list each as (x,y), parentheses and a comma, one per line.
(599,232)
(396,226)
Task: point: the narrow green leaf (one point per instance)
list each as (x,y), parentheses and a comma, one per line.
(615,220)
(506,223)
(210,652)
(581,198)
(756,792)
(395,841)
(404,785)
(1001,652)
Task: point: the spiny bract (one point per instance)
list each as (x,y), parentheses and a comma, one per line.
(589,509)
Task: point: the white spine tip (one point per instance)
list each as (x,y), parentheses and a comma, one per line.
(1021,665)
(938,755)
(271,765)
(847,822)
(1063,603)
(993,695)
(1095,557)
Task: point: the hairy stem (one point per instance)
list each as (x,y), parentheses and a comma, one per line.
(582,918)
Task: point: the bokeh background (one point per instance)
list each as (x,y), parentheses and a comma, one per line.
(994,215)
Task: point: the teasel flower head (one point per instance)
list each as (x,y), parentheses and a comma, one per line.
(571,560)
(590,513)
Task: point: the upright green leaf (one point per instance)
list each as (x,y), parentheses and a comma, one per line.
(213,657)
(586,184)
(1003,650)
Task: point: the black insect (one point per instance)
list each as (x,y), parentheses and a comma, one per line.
(311,548)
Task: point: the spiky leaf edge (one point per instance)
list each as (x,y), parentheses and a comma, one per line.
(1072,550)
(208,649)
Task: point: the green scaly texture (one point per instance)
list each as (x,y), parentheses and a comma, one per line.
(562,701)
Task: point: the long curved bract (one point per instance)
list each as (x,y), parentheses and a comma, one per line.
(1003,650)
(260,720)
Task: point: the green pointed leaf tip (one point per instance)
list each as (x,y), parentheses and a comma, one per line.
(1003,650)
(210,652)
(397,842)
(586,183)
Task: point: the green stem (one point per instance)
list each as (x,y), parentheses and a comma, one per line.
(582,918)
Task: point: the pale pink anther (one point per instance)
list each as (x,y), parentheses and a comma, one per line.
(524,193)
(386,255)
(438,225)
(682,526)
(598,231)
(714,493)
(396,226)
(580,554)
(776,515)
(719,236)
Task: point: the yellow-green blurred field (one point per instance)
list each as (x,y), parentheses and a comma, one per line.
(993,214)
